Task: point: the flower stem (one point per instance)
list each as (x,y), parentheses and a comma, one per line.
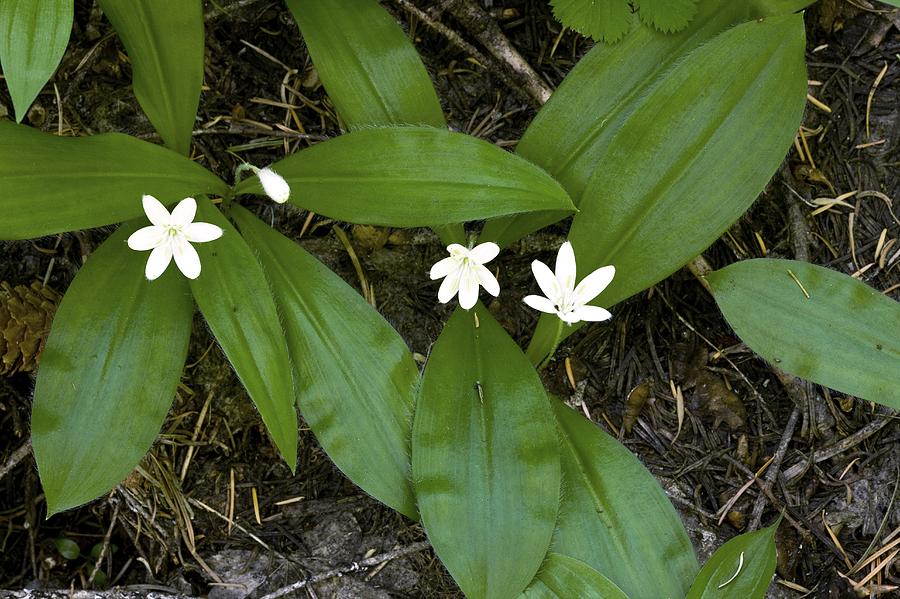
(243,168)
(556,339)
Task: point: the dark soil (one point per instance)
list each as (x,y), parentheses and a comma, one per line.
(185,521)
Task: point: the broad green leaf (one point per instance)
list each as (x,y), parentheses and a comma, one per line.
(604,20)
(233,295)
(573,130)
(53,184)
(413,176)
(891,2)
(616,518)
(667,15)
(368,66)
(742,568)
(108,374)
(164,40)
(485,458)
(845,335)
(783,7)
(355,377)
(676,175)
(358,41)
(563,577)
(33,38)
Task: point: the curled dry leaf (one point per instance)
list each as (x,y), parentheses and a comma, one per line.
(711,396)
(637,398)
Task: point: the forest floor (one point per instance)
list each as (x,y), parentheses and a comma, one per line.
(213,511)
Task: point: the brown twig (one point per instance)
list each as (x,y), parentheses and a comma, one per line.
(774,468)
(17,456)
(838,448)
(105,547)
(531,90)
(480,24)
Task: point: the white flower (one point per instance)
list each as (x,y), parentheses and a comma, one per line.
(170,236)
(274,185)
(464,271)
(565,299)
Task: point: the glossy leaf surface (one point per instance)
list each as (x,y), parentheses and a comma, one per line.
(233,295)
(369,68)
(627,531)
(108,374)
(742,568)
(164,40)
(485,462)
(355,377)
(572,131)
(413,176)
(33,38)
(677,175)
(563,577)
(53,184)
(845,335)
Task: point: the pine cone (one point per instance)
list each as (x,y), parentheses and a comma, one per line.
(25,316)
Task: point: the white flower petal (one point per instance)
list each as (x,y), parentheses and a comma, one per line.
(546,280)
(457,251)
(486,279)
(155,211)
(449,287)
(565,267)
(186,258)
(184,212)
(158,261)
(593,284)
(442,268)
(484,252)
(540,303)
(468,289)
(202,232)
(590,314)
(569,317)
(146,238)
(274,185)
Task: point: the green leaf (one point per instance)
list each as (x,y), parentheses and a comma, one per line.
(563,577)
(676,175)
(165,43)
(742,568)
(412,177)
(368,66)
(53,184)
(233,295)
(783,7)
(355,376)
(67,548)
(354,41)
(604,20)
(616,518)
(33,39)
(573,130)
(845,335)
(108,374)
(667,15)
(485,462)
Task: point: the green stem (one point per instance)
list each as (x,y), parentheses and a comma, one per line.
(556,339)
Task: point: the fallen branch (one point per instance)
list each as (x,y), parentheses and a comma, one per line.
(17,456)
